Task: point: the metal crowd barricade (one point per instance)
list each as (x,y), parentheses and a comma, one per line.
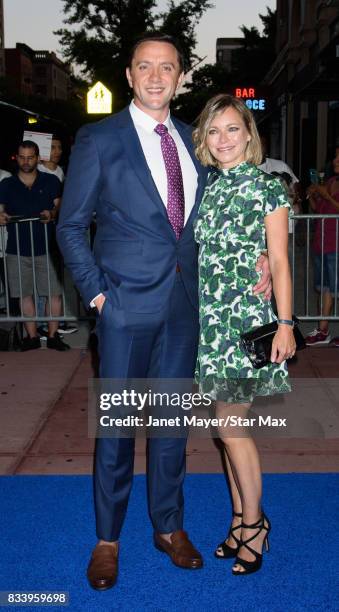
(307,303)
(305,298)
(6,315)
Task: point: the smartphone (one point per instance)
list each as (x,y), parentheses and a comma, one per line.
(314,176)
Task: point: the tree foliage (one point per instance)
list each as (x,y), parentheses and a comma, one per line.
(102,33)
(207,81)
(257,54)
(180,21)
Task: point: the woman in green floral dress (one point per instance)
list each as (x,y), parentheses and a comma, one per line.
(242,209)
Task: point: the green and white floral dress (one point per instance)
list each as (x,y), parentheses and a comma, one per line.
(230,231)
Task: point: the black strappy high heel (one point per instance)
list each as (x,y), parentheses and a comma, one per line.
(227,551)
(249,567)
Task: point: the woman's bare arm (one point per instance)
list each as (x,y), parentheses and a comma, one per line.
(276,225)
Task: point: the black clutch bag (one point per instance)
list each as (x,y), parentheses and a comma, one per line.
(257,343)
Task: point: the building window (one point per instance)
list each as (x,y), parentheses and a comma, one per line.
(41,90)
(295,21)
(219,55)
(302,13)
(40,71)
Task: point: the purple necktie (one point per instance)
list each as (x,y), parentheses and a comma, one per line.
(175,187)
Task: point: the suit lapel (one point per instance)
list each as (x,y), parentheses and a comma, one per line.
(135,154)
(186,135)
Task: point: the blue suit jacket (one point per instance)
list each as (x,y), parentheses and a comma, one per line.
(135,249)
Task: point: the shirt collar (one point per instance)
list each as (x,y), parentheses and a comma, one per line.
(37,180)
(144,120)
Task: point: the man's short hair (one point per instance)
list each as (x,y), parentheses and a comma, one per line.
(157,37)
(29,144)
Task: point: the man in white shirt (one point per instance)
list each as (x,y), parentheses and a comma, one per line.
(138,171)
(280,169)
(276,166)
(52,166)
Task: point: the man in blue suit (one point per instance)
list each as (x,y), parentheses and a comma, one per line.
(142,278)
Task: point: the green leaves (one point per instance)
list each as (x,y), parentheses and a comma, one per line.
(214,282)
(210,334)
(230,264)
(244,272)
(236,323)
(250,218)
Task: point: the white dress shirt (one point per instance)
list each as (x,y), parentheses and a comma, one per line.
(151,146)
(150,143)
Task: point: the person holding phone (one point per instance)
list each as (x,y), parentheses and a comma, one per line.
(324,200)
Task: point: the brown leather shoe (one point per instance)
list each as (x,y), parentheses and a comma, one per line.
(102,570)
(181,550)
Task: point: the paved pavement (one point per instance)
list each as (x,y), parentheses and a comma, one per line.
(43,416)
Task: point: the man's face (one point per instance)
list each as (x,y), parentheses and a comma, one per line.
(154,76)
(27,159)
(56,151)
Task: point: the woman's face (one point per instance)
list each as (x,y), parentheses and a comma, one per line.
(227,138)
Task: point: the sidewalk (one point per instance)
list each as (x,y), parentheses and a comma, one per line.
(43,418)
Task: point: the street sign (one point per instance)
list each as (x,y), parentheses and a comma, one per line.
(99,100)
(251,98)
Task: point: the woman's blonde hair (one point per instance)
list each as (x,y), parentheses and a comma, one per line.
(214,106)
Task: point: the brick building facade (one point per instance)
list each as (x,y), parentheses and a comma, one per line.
(38,73)
(303,85)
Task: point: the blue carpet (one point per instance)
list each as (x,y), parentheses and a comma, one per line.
(47,532)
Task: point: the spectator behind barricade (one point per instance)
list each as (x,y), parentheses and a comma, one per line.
(281,170)
(286,181)
(32,194)
(278,167)
(329,171)
(4,174)
(324,200)
(52,166)
(3,239)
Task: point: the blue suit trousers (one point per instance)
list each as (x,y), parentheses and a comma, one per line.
(155,345)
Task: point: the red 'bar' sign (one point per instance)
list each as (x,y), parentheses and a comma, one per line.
(245,92)
(248,94)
